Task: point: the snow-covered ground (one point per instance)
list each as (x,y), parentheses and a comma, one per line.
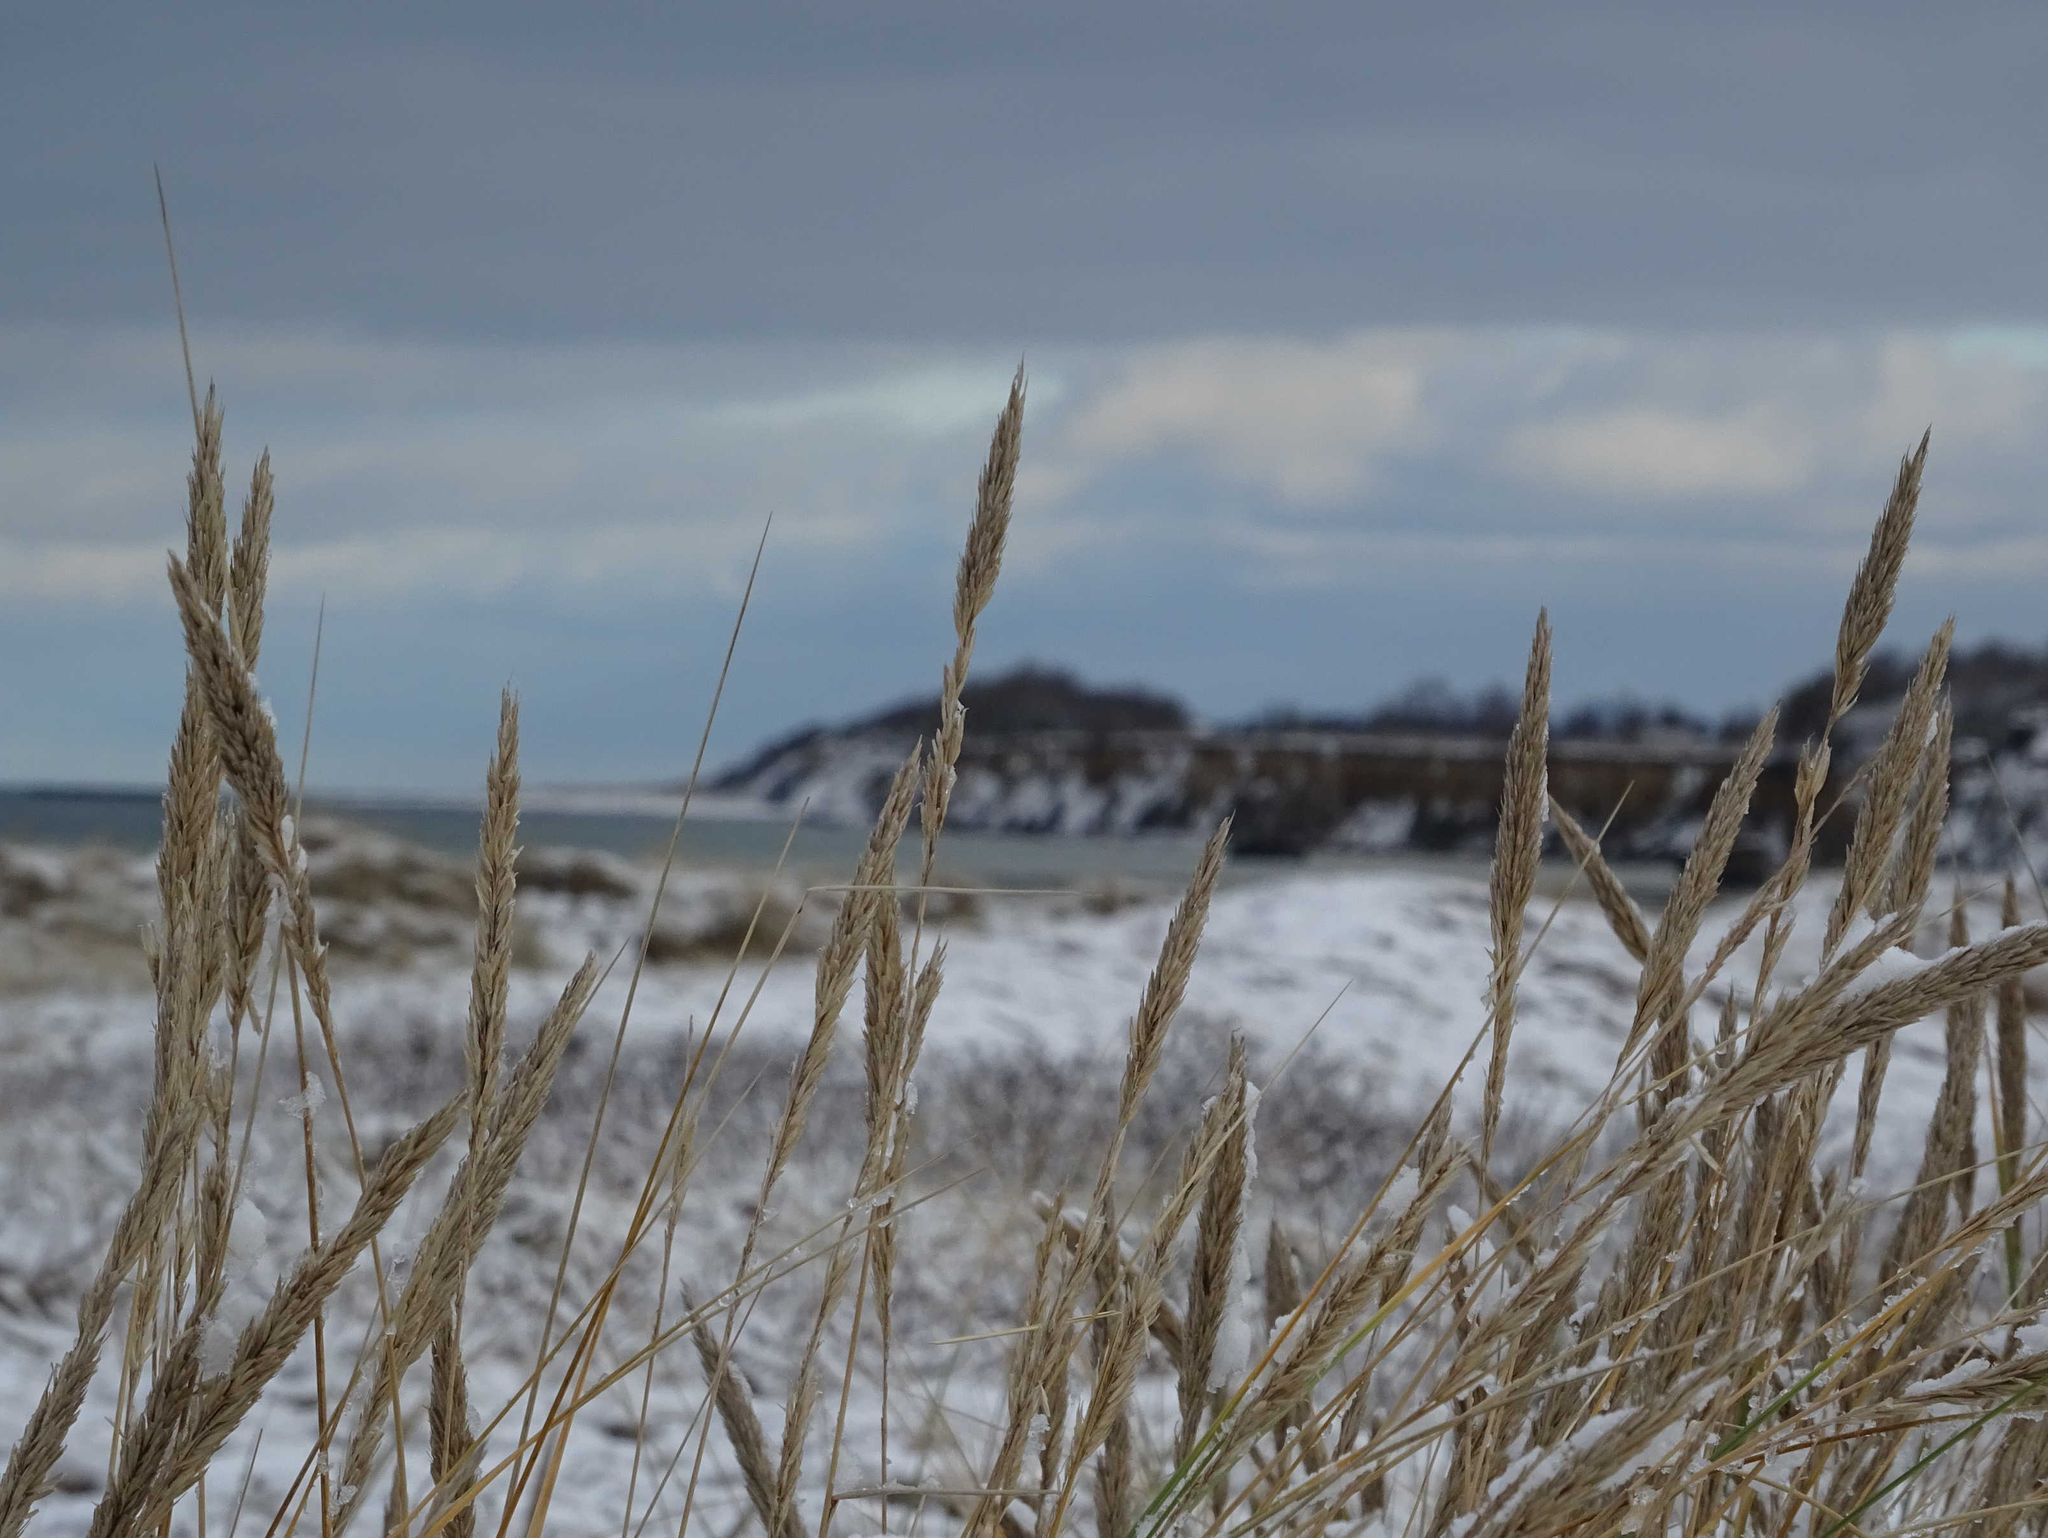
(1359,994)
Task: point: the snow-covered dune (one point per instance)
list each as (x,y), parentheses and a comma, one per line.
(1360,994)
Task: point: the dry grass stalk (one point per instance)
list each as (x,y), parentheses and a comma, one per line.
(1912,872)
(882,1236)
(895,1022)
(496,892)
(475,1197)
(888,1025)
(1948,1159)
(1877,1061)
(244,732)
(190,1416)
(206,523)
(1131,1314)
(249,894)
(2009,1120)
(1869,605)
(1025,1395)
(1165,989)
(838,961)
(1282,1277)
(450,1430)
(1116,1482)
(1168,1329)
(1890,780)
(1659,991)
(249,564)
(1220,1123)
(1214,1286)
(189,966)
(974,586)
(1328,1319)
(743,1432)
(451,1435)
(1619,908)
(1518,850)
(1038,1370)
(169,1132)
(981,561)
(1864,615)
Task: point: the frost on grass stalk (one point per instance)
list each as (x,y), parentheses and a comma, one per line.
(1686,1312)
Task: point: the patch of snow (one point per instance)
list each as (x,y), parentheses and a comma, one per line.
(306,1101)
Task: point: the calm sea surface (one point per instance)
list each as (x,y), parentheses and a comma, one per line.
(130,820)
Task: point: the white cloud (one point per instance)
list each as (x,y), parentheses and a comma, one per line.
(407,466)
(1746,420)
(1308,560)
(1972,394)
(616,561)
(2000,558)
(934,401)
(1655,452)
(74,571)
(415,467)
(1308,421)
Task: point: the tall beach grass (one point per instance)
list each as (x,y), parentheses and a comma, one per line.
(1684,1309)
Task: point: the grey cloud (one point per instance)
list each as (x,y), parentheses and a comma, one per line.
(1062,172)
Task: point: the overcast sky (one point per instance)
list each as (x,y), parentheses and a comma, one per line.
(1355,333)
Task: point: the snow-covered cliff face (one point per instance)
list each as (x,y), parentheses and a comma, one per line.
(1303,791)
(1998,799)
(1290,792)
(1048,753)
(1039,788)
